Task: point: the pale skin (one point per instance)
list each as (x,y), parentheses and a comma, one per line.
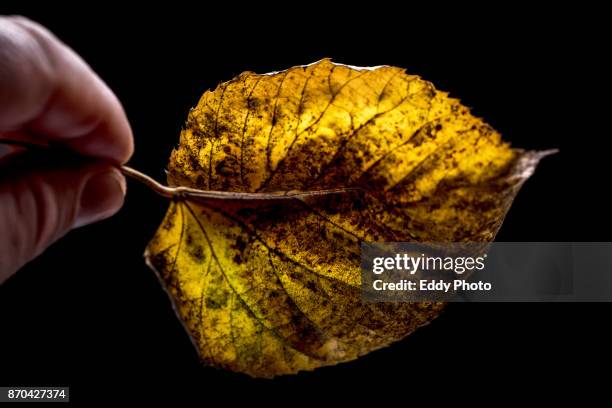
(49,94)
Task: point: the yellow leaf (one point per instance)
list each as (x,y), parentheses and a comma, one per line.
(270,288)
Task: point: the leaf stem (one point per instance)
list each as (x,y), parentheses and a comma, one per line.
(188,192)
(154,185)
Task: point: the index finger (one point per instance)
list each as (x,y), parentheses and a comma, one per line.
(48,91)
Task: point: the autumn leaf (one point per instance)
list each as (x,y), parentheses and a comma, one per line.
(269,288)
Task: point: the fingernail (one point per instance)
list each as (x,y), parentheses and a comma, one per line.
(102,197)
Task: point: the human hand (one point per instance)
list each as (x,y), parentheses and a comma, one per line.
(49,94)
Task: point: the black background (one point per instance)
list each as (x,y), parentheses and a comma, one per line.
(90,314)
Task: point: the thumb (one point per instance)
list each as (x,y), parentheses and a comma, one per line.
(38,207)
